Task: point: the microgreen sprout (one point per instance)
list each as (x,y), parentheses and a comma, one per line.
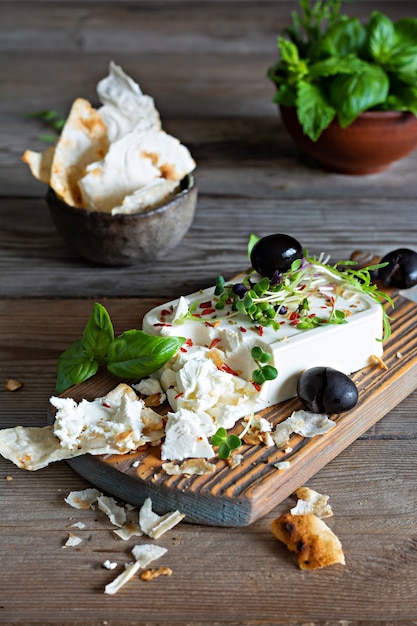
(264,371)
(266,301)
(226,443)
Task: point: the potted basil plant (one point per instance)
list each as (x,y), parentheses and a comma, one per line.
(347,90)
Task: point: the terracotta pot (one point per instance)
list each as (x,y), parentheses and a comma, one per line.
(125,239)
(370,144)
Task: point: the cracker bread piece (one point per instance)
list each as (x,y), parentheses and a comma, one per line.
(125,107)
(83,140)
(40,163)
(310,538)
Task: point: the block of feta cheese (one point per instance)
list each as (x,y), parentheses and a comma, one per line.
(219,343)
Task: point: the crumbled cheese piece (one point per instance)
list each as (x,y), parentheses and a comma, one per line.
(148,386)
(109,564)
(234,460)
(186,436)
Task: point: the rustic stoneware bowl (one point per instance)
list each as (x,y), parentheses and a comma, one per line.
(374,141)
(125,239)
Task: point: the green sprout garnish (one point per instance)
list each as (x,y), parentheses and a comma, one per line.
(264,301)
(227,443)
(264,371)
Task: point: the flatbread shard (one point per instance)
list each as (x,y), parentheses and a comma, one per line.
(125,107)
(83,140)
(310,538)
(40,163)
(135,161)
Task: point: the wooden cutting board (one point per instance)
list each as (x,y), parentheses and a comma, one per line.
(239,496)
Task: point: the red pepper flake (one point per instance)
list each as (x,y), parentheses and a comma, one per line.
(189,342)
(214,343)
(179,395)
(293,315)
(257,386)
(302,287)
(260,330)
(166,312)
(243,329)
(282,323)
(208,324)
(331,300)
(312,315)
(228,370)
(206,305)
(105,404)
(163,324)
(208,311)
(183,349)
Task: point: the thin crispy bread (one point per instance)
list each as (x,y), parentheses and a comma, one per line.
(310,538)
(83,140)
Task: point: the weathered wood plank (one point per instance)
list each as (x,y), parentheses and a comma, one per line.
(215,244)
(372,493)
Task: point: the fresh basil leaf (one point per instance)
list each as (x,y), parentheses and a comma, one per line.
(406,31)
(380,38)
(351,94)
(135,354)
(345,37)
(403,64)
(74,366)
(313,110)
(98,332)
(350,64)
(402,98)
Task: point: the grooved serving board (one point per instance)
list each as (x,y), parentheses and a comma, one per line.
(239,496)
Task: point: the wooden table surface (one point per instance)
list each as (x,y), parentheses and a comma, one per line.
(205,64)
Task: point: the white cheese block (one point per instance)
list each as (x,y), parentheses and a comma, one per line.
(347,347)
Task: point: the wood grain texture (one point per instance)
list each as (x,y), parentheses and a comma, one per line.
(371,487)
(204,63)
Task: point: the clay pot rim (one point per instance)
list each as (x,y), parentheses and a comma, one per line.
(187,185)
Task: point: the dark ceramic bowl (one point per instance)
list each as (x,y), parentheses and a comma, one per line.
(125,239)
(374,141)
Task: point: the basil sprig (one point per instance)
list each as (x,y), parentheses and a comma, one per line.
(133,354)
(332,66)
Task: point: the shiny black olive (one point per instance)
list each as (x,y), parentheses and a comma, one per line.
(275,253)
(401,271)
(326,390)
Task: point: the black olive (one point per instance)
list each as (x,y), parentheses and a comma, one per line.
(326,390)
(401,271)
(275,253)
